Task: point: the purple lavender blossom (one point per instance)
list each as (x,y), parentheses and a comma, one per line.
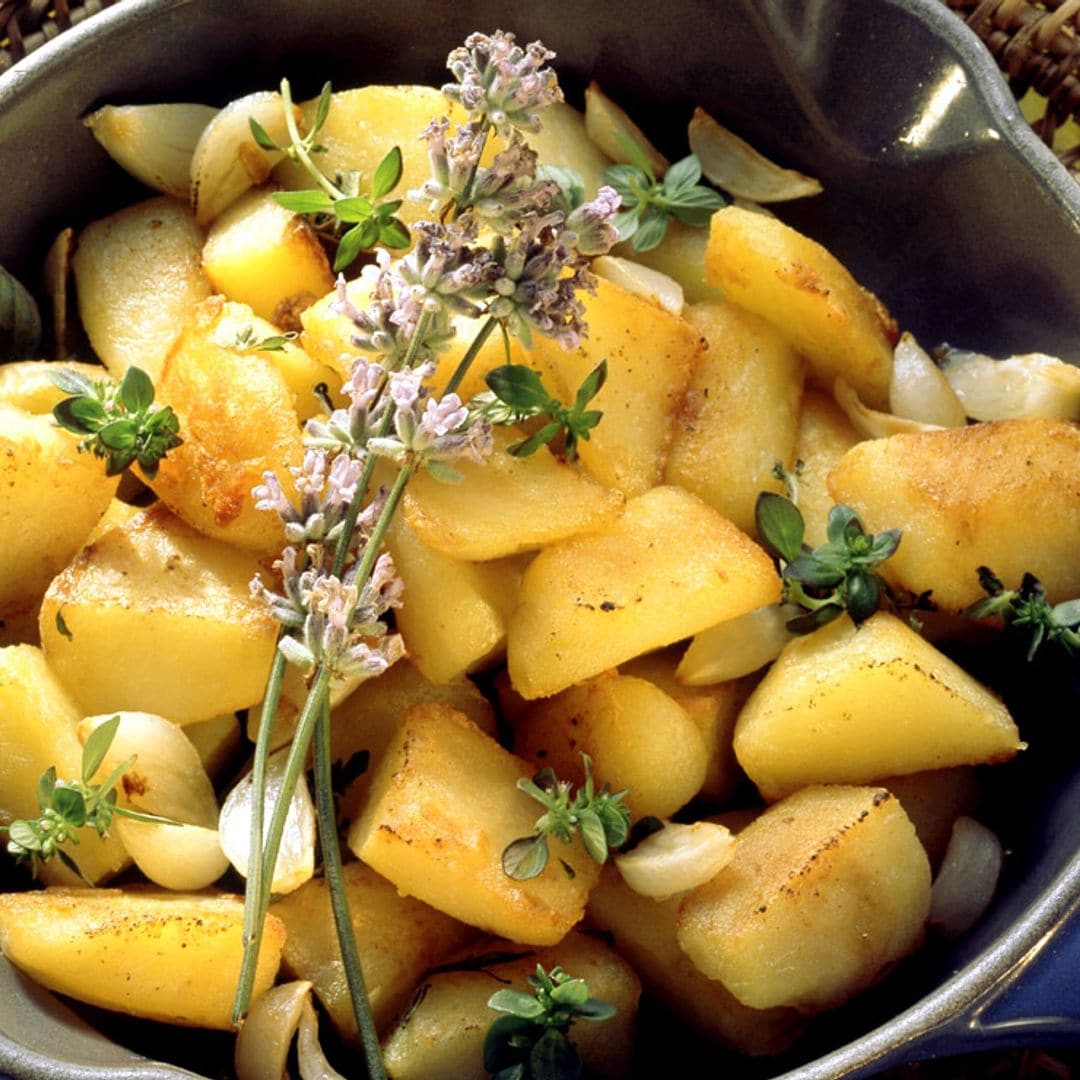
(591,223)
(502,83)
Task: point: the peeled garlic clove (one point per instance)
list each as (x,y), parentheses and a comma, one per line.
(296,856)
(154,143)
(20,321)
(167,777)
(677,858)
(870,422)
(310,1059)
(57,274)
(180,857)
(660,289)
(227,160)
(735,166)
(262,1047)
(965,884)
(736,647)
(608,125)
(1021,387)
(919,391)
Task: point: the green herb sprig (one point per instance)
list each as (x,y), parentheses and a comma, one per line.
(836,577)
(650,204)
(600,818)
(69,806)
(1027,609)
(518,393)
(355,222)
(245,340)
(117,422)
(530,1041)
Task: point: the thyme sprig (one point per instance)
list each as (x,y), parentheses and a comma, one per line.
(600,818)
(1026,609)
(649,204)
(835,577)
(517,393)
(69,806)
(355,222)
(530,1041)
(118,422)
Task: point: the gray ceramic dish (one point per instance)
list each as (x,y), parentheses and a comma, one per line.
(937,195)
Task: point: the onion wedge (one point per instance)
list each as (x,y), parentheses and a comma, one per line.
(870,422)
(154,143)
(227,160)
(651,284)
(919,391)
(184,858)
(677,858)
(735,166)
(262,1047)
(296,856)
(609,127)
(967,879)
(736,647)
(1021,387)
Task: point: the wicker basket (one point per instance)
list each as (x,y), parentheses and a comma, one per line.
(27,24)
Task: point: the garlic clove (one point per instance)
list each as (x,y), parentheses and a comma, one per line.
(651,284)
(737,646)
(919,391)
(677,858)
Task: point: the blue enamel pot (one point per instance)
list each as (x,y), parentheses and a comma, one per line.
(937,196)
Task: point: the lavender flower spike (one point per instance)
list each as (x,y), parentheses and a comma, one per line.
(502,83)
(591,223)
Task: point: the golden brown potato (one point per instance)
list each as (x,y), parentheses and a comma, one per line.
(960,495)
(644,933)
(442,808)
(163,957)
(267,257)
(237,421)
(138,276)
(508,504)
(51,495)
(825,892)
(637,736)
(768,268)
(398,939)
(848,706)
(669,567)
(740,413)
(443,1034)
(651,355)
(37,731)
(154,617)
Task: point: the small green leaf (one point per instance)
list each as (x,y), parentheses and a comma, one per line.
(813,571)
(322,110)
(529,446)
(387,174)
(394,234)
(69,803)
(136,390)
(652,228)
(1067,613)
(353,210)
(840,516)
(813,620)
(863,594)
(627,221)
(594,1009)
(525,858)
(627,181)
(885,544)
(119,434)
(516,1003)
(571,186)
(682,175)
(571,993)
(97,746)
(26,834)
(554,1057)
(519,387)
(62,627)
(504,1041)
(20,320)
(46,786)
(593,835)
(638,158)
(71,382)
(349,247)
(305,202)
(591,386)
(260,135)
(780,526)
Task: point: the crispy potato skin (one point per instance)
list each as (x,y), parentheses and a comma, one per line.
(1004,494)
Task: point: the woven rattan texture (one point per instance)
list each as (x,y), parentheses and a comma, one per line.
(27,24)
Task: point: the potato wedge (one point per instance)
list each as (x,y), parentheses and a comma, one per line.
(846,705)
(158,956)
(507,505)
(443,1034)
(740,414)
(155,580)
(789,279)
(138,276)
(826,891)
(669,567)
(958,495)
(443,806)
(398,938)
(237,421)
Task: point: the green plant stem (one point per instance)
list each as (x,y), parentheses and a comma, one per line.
(331,854)
(300,150)
(252,923)
(466,193)
(471,354)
